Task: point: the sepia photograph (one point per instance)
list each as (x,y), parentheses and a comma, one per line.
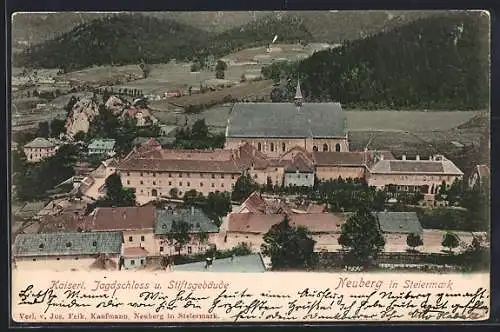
(198,151)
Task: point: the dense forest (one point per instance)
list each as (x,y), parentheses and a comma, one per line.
(118,39)
(433,63)
(134,38)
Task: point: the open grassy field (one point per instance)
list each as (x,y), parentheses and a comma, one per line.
(102,74)
(406,120)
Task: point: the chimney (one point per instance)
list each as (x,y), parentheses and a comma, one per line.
(403,157)
(417,157)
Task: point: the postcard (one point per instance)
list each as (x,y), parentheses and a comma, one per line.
(300,166)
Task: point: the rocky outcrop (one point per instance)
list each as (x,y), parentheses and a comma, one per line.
(115,105)
(81,115)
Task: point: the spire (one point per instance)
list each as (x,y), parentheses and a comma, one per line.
(298,95)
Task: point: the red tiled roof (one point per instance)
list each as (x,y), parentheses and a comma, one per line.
(339,158)
(63,222)
(255,203)
(261,223)
(132,252)
(123,218)
(179,165)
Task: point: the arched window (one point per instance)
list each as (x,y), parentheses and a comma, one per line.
(337,147)
(154,192)
(283,147)
(325,147)
(272,147)
(315,148)
(259,147)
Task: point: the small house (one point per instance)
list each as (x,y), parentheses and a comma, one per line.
(102,147)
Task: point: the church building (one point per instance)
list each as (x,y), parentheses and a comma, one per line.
(275,128)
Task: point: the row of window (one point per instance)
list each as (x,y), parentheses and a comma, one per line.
(180,175)
(188,184)
(190,249)
(131,238)
(283,147)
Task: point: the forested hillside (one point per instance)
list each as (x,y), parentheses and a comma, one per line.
(118,39)
(433,63)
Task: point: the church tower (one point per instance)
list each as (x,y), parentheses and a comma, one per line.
(298,96)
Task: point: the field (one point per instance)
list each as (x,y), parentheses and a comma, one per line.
(98,75)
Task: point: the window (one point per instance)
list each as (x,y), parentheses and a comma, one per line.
(187,174)
(154,183)
(325,147)
(41,246)
(169,183)
(142,182)
(213,185)
(128,173)
(188,184)
(142,261)
(259,147)
(232,176)
(180,175)
(128,181)
(161,249)
(94,244)
(337,147)
(213,176)
(283,147)
(201,175)
(315,148)
(154,174)
(180,193)
(272,147)
(222,176)
(34,259)
(201,184)
(180,184)
(132,262)
(222,185)
(142,191)
(129,239)
(141,174)
(169,175)
(142,237)
(76,258)
(68,244)
(58,258)
(255,176)
(190,250)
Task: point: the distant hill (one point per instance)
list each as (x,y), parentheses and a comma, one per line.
(440,62)
(117,39)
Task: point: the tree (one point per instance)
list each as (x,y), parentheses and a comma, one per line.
(414,240)
(288,247)
(43,129)
(243,187)
(362,235)
(220,66)
(174,193)
(202,238)
(450,241)
(199,130)
(195,67)
(80,136)
(217,205)
(219,74)
(57,127)
(116,194)
(179,234)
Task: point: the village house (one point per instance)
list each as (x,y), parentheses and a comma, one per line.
(135,223)
(275,128)
(40,148)
(249,228)
(92,186)
(415,175)
(396,226)
(480,176)
(202,231)
(67,251)
(299,173)
(102,146)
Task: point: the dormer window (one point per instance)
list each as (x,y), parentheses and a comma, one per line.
(41,246)
(94,244)
(68,244)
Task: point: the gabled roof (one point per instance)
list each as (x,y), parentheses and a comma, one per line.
(65,244)
(132,252)
(399,222)
(261,223)
(98,143)
(283,120)
(300,164)
(195,217)
(339,158)
(255,203)
(40,143)
(443,166)
(123,218)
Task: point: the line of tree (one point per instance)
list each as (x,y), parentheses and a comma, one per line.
(198,137)
(215,205)
(440,62)
(33,180)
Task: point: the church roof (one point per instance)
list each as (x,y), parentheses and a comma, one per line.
(282,120)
